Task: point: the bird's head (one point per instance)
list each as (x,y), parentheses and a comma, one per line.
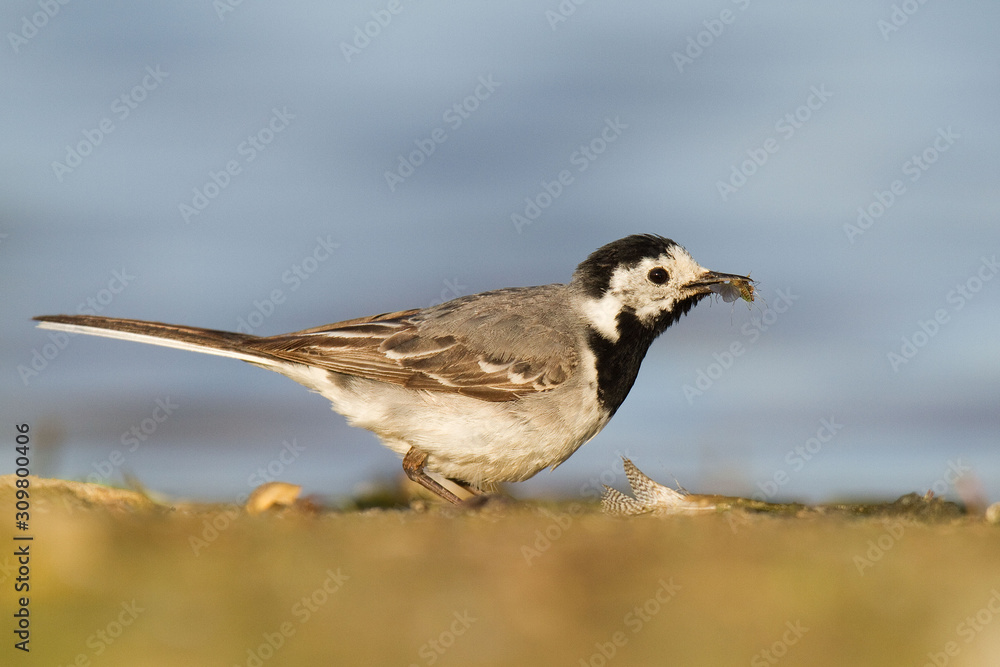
(646,277)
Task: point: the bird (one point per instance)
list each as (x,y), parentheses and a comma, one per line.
(486,388)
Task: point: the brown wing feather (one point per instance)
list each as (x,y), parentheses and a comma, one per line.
(391,348)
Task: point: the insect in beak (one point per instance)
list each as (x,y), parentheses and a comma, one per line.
(728,285)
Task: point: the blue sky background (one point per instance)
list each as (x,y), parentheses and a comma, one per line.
(697,90)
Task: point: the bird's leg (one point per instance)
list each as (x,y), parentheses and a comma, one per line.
(413,466)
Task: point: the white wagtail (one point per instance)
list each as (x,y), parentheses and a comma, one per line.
(486,388)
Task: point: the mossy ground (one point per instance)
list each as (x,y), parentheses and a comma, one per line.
(119,580)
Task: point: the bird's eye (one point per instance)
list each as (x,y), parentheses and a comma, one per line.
(658,275)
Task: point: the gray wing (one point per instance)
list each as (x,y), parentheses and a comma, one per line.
(495,346)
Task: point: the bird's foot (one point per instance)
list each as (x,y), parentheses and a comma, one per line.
(413,466)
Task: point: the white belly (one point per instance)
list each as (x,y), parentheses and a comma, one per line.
(480,442)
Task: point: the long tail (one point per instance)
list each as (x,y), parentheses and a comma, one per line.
(208,341)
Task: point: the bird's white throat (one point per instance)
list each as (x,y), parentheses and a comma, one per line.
(603,315)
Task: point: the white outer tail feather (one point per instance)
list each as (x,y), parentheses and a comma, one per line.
(157,340)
